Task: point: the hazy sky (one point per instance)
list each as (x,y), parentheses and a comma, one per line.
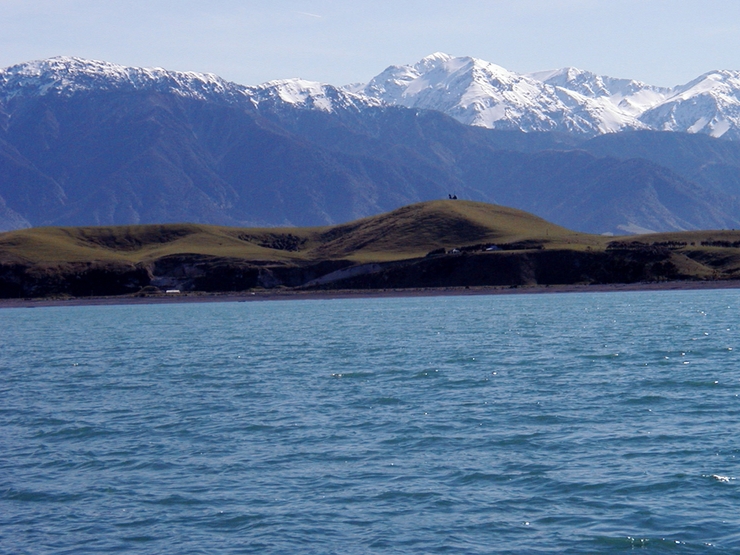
(662,42)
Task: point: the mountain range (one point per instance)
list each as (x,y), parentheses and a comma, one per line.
(476,92)
(93,143)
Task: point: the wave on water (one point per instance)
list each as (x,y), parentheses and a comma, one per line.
(522,424)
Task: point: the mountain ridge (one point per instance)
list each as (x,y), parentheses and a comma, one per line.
(477,92)
(79,149)
(471,90)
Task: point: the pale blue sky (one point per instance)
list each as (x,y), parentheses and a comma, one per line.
(663,42)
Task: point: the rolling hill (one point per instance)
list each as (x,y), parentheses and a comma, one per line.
(430,244)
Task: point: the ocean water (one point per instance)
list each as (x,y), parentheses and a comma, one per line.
(574,423)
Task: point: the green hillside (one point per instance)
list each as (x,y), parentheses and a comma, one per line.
(430,244)
(408,232)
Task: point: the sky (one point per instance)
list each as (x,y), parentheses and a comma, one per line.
(661,42)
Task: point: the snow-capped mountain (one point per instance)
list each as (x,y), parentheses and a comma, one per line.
(472,91)
(66,76)
(480,93)
(631,97)
(709,104)
(93,143)
(615,104)
(569,100)
(309,95)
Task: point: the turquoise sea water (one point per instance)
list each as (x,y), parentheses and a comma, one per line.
(574,423)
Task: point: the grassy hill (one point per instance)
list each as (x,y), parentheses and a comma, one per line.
(408,232)
(388,250)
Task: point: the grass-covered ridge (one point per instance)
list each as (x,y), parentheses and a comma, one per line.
(429,244)
(408,232)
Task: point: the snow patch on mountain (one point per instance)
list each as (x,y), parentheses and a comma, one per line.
(310,95)
(592,85)
(68,76)
(473,91)
(480,93)
(709,104)
(571,100)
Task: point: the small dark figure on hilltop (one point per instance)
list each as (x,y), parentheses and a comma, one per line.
(452,197)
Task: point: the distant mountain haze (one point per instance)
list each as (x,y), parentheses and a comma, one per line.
(92,143)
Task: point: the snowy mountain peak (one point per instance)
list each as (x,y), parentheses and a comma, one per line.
(477,92)
(433,60)
(593,85)
(569,99)
(310,94)
(709,104)
(471,90)
(718,82)
(68,75)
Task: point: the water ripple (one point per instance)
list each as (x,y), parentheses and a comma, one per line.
(584,423)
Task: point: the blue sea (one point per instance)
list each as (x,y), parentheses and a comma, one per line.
(581,423)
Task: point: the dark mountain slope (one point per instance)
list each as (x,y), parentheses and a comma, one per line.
(553,175)
(602,194)
(149,156)
(121,158)
(709,162)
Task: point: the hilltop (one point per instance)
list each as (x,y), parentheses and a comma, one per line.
(429,244)
(407,232)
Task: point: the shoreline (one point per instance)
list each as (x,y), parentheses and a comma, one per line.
(290,294)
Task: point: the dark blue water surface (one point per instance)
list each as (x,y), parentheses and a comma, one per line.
(575,423)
